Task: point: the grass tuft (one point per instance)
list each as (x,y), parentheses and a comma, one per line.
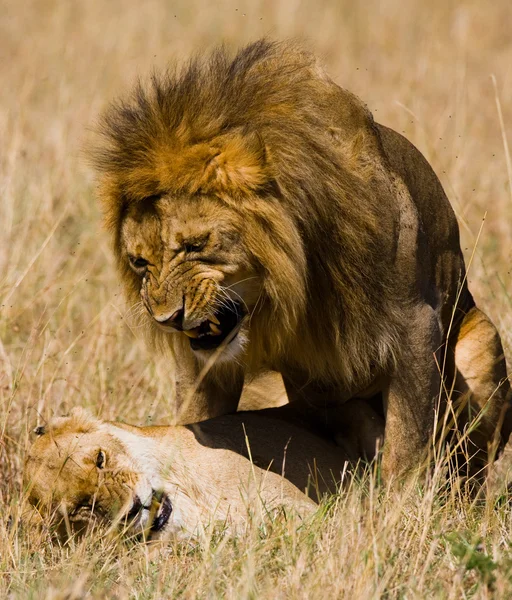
(67,338)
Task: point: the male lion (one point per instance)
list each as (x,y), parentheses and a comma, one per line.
(165,480)
(268,223)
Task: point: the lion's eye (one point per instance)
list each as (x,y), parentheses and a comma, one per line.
(138,263)
(195,245)
(101,459)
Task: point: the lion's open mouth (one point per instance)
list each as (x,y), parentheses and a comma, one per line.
(221,327)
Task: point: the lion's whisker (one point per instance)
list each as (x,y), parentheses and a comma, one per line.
(228,287)
(223,291)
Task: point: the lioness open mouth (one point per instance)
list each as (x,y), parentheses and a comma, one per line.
(159,511)
(222,325)
(162,515)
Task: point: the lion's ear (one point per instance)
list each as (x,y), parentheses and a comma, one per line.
(239,165)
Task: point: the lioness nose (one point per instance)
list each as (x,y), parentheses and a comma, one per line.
(175,320)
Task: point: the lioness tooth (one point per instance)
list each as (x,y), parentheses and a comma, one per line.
(191,333)
(213,319)
(214,329)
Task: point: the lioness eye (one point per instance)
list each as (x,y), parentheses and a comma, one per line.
(101,459)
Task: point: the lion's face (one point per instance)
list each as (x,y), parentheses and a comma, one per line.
(191,267)
(76,472)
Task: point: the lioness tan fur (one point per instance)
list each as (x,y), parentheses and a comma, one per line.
(85,469)
(257,208)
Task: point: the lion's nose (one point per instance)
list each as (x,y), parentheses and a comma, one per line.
(175,320)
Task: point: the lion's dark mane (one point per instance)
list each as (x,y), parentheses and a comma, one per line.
(314,141)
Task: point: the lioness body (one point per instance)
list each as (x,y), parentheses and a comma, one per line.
(257,208)
(203,470)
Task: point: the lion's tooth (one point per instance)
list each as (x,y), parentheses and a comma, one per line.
(191,333)
(214,329)
(213,319)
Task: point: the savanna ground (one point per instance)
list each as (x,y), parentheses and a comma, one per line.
(425,69)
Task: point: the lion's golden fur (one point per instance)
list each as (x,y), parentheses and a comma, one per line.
(343,243)
(247,130)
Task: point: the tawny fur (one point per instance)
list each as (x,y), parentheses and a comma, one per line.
(348,247)
(194,131)
(222,470)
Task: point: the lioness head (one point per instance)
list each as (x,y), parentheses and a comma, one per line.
(77,472)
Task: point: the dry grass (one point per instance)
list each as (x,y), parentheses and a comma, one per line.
(425,69)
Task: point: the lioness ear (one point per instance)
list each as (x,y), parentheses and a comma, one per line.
(78,411)
(101,459)
(39,430)
(240,165)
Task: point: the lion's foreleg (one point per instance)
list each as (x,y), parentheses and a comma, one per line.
(203,393)
(410,399)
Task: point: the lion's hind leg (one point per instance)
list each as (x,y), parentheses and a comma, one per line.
(481,381)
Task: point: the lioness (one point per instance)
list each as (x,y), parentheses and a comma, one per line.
(174,480)
(266,222)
